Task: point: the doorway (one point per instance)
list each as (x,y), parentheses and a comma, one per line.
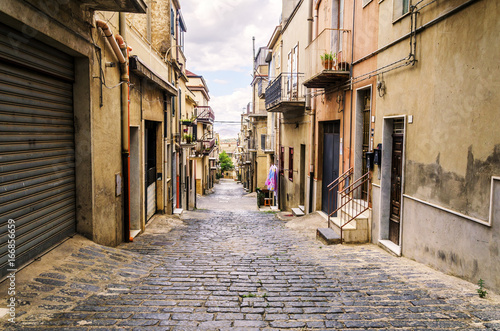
(364,135)
(392,182)
(396,174)
(150,169)
(331,156)
(135,182)
(302,171)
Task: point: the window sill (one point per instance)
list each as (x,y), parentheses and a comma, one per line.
(400,18)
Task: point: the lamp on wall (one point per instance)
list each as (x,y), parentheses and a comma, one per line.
(381,87)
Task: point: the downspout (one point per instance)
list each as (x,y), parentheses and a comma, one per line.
(351,74)
(125,105)
(121,51)
(311,30)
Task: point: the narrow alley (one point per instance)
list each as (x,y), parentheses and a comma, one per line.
(228,266)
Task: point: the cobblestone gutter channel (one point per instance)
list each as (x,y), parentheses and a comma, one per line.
(231,267)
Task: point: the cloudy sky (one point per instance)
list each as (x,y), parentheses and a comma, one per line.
(218,46)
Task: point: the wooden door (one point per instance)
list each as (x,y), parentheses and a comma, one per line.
(331,155)
(396,174)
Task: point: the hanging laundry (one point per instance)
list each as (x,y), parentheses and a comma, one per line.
(271,178)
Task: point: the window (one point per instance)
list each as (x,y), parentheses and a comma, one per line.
(400,8)
(172,22)
(282,160)
(263,141)
(290,164)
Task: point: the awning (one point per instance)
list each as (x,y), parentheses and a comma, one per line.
(141,69)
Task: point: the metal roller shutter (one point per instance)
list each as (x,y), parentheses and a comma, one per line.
(37,157)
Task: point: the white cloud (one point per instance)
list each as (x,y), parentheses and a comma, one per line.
(220,32)
(221,81)
(219,38)
(229,108)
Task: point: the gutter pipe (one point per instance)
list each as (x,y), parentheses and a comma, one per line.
(122,53)
(311,31)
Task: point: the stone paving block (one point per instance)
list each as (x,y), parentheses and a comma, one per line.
(243,270)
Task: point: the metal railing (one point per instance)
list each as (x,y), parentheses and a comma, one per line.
(261,87)
(339,183)
(330,50)
(205,146)
(251,145)
(351,201)
(205,114)
(269,144)
(285,87)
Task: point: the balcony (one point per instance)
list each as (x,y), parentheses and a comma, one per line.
(251,145)
(205,147)
(205,114)
(269,144)
(286,93)
(131,6)
(245,159)
(334,70)
(261,87)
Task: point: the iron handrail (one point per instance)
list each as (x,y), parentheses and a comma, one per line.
(333,185)
(350,195)
(348,172)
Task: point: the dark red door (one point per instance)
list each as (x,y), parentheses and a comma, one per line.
(396,172)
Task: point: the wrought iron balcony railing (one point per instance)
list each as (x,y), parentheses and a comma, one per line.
(205,114)
(287,87)
(268,143)
(329,57)
(261,87)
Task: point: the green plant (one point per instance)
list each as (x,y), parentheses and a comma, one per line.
(187,137)
(481,291)
(249,295)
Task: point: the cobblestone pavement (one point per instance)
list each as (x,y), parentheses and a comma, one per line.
(228,266)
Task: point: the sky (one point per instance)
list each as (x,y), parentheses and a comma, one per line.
(218,46)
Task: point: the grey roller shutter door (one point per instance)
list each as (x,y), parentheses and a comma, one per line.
(37,149)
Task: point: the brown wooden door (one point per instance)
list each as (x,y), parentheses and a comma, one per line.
(396,174)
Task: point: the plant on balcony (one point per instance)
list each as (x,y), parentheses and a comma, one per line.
(186,121)
(187,138)
(329,60)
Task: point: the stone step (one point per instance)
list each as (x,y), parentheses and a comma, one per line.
(354,207)
(327,236)
(297,212)
(178,211)
(302,208)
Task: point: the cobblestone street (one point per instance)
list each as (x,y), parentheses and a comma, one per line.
(228,266)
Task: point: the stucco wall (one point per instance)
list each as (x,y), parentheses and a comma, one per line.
(295,133)
(452,146)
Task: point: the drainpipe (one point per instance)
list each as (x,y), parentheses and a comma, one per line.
(351,74)
(121,51)
(311,30)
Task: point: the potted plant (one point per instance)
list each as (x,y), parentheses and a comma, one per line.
(187,137)
(328,60)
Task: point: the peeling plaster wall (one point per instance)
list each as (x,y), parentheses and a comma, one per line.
(452,148)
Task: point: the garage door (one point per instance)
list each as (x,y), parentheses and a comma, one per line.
(37,158)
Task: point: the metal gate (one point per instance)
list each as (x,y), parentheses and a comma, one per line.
(37,158)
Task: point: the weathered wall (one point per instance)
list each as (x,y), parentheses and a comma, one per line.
(106,136)
(295,133)
(453,145)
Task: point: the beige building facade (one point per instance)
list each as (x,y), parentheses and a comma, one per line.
(437,126)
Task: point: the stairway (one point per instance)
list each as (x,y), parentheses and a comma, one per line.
(352,222)
(358,230)
(298,211)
